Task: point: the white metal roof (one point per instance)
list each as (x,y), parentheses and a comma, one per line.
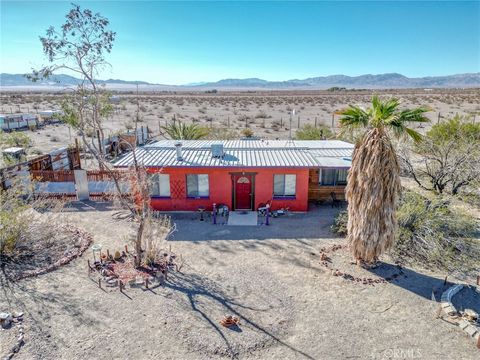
(242,153)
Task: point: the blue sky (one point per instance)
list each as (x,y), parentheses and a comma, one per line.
(183,42)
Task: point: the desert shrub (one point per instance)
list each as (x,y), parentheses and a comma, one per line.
(36,151)
(14,138)
(339,225)
(216,133)
(89,132)
(432,234)
(167,108)
(310,132)
(12,224)
(247,132)
(261,115)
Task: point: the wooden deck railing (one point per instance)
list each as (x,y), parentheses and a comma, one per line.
(318,192)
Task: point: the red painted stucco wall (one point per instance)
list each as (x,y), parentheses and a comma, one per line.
(220,184)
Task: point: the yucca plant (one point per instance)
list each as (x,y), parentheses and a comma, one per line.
(373,183)
(181,131)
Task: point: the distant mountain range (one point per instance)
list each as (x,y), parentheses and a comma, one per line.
(55,80)
(392,80)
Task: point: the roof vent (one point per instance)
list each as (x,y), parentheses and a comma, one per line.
(217,150)
(178,145)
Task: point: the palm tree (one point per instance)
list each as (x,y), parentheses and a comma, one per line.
(373,183)
(181,131)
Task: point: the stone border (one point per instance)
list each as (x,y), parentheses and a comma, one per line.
(17,323)
(86,240)
(449,309)
(446,299)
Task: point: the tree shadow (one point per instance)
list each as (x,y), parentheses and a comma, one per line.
(19,295)
(193,286)
(314,224)
(426,286)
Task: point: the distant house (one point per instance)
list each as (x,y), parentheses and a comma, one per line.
(17,121)
(243,174)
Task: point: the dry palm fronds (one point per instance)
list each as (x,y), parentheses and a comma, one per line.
(372,192)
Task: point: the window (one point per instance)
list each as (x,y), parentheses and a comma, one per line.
(328,177)
(160,185)
(284,185)
(197,185)
(342,176)
(333,177)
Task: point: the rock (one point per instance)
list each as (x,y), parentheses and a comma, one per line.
(471,314)
(463,324)
(112,282)
(471,330)
(5,319)
(17,314)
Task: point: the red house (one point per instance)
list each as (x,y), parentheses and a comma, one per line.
(242,174)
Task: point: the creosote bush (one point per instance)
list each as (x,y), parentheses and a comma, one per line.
(310,132)
(432,234)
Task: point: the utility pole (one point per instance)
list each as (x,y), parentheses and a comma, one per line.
(292,113)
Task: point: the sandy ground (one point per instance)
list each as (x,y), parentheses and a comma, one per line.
(265,113)
(271,277)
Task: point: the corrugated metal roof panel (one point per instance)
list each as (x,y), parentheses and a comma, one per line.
(240,153)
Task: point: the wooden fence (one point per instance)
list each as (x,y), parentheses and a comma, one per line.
(52,176)
(68,175)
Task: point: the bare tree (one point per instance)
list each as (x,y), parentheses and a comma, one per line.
(447,159)
(79,47)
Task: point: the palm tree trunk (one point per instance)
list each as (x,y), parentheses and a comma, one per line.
(372,192)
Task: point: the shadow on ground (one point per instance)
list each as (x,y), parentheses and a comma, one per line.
(196,288)
(314,224)
(426,286)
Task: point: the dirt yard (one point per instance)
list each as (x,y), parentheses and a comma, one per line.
(228,113)
(290,306)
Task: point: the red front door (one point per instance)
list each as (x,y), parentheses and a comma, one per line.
(243,192)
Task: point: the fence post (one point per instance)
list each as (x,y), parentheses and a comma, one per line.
(81,184)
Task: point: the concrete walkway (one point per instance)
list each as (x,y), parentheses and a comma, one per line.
(243,218)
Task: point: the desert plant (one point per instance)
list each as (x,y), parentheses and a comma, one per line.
(448,158)
(431,234)
(373,183)
(14,138)
(217,133)
(182,131)
(247,132)
(309,132)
